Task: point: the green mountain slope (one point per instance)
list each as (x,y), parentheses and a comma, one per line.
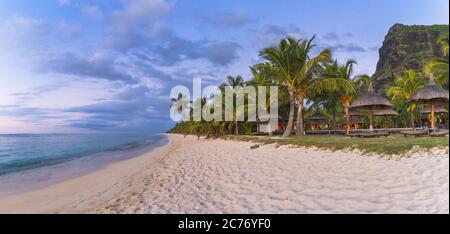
(407,47)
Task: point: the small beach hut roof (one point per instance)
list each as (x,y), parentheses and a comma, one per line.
(371,100)
(317,116)
(431,93)
(385,112)
(357,120)
(438,109)
(352,112)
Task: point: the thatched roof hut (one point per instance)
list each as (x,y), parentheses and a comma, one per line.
(431,93)
(371,101)
(357,120)
(385,112)
(437,109)
(352,112)
(317,117)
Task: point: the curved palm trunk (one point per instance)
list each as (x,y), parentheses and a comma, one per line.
(290,124)
(299,130)
(412,121)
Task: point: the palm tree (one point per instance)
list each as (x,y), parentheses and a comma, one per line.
(181,102)
(439,65)
(404,87)
(443,41)
(280,63)
(363,82)
(309,79)
(290,61)
(343,94)
(234,82)
(262,77)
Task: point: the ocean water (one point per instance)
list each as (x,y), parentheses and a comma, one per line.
(21,152)
(32,161)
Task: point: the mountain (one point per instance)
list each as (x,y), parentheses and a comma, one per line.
(407,47)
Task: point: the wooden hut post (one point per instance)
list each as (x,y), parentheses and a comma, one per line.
(350,125)
(432,115)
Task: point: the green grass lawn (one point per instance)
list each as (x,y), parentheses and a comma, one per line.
(387,146)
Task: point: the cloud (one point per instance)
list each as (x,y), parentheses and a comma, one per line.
(348,34)
(37,116)
(27,33)
(348,48)
(136,29)
(164,47)
(134,93)
(221,53)
(135,108)
(234,19)
(129,24)
(142,58)
(271,34)
(64,2)
(334,36)
(38,91)
(331,36)
(177,49)
(92,11)
(136,12)
(109,107)
(97,66)
(15,125)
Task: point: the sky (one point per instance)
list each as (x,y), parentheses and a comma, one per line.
(77,66)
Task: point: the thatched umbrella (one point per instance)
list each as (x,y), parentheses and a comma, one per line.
(317,118)
(385,113)
(431,94)
(351,113)
(437,109)
(427,110)
(371,101)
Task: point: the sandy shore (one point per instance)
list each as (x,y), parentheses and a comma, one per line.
(217,176)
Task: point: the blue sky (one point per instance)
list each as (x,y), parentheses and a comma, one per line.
(109,65)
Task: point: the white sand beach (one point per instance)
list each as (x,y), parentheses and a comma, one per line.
(219,176)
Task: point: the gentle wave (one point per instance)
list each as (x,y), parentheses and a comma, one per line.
(19,152)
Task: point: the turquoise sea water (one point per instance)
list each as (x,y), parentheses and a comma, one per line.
(22,152)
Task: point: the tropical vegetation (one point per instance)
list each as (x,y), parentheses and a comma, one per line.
(315,82)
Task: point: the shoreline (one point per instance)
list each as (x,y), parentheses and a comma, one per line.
(69,190)
(222,176)
(41,177)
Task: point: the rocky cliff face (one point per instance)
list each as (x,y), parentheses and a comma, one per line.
(406,47)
